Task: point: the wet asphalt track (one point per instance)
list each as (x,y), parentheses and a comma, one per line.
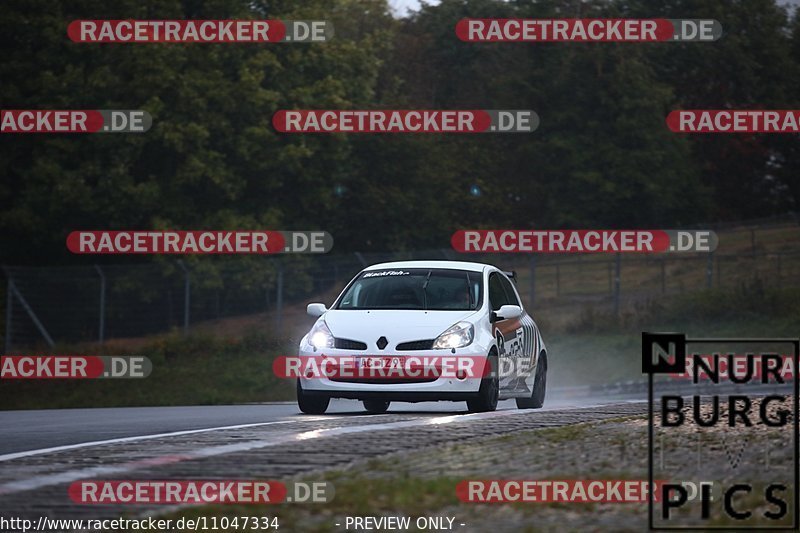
(47,428)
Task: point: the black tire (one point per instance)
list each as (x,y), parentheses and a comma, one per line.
(311,405)
(489,392)
(536,401)
(376,407)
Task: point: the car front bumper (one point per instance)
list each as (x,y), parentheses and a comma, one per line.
(440,388)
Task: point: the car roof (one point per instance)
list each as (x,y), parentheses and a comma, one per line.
(453,265)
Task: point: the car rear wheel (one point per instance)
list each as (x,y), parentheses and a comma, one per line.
(376,407)
(536,400)
(311,405)
(489,391)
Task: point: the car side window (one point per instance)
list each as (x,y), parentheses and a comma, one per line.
(497,296)
(510,293)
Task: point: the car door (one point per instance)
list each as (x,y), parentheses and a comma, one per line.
(521,347)
(505,333)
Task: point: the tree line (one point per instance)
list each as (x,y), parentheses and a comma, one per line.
(601,157)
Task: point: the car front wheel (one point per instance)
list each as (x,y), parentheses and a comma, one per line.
(489,391)
(311,405)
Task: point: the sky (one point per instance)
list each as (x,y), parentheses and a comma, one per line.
(401,6)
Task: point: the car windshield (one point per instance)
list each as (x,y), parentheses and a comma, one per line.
(415,288)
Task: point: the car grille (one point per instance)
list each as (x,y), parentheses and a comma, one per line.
(415,345)
(347,344)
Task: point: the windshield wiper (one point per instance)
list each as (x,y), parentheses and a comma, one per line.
(425,290)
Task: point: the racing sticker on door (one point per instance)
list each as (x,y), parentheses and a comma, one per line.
(517,346)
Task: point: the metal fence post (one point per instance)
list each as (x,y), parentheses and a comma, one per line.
(279,299)
(617,276)
(9,313)
(102,326)
(35,319)
(187,297)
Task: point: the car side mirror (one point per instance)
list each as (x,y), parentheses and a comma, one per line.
(316,309)
(507,312)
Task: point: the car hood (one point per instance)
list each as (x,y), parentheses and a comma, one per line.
(395,325)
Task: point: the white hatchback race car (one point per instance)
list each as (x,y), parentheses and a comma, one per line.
(392,311)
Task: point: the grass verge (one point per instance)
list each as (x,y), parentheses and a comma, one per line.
(196,370)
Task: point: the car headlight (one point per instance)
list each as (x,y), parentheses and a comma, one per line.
(320,336)
(456,336)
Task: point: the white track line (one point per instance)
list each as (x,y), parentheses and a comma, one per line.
(211,451)
(69,476)
(333,416)
(54,449)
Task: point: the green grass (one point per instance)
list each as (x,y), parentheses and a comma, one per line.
(598,347)
(750,309)
(198,370)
